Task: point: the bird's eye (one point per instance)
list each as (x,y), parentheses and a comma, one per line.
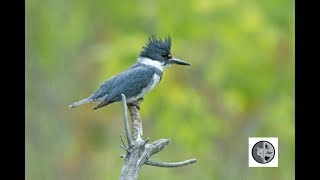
(164,55)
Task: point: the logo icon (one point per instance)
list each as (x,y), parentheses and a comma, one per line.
(263,152)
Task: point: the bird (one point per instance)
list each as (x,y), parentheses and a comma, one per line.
(140,78)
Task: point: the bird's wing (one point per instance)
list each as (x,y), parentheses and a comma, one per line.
(104,88)
(130,83)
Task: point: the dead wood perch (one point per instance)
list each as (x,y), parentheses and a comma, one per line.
(139,151)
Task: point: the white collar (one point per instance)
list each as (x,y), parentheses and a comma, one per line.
(150,62)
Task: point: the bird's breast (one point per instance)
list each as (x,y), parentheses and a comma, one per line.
(153,83)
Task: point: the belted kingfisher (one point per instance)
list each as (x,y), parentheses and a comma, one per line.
(140,78)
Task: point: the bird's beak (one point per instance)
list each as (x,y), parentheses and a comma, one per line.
(178,61)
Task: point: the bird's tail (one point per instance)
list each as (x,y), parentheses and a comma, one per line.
(84,101)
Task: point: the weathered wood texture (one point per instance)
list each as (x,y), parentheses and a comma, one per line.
(139,151)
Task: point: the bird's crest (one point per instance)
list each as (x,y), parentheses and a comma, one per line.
(155,44)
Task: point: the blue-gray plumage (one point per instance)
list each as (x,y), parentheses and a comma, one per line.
(139,79)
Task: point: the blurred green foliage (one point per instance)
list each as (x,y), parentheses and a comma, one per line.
(241,84)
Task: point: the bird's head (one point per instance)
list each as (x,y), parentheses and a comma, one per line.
(157,52)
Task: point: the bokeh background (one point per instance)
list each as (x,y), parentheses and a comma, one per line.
(240,84)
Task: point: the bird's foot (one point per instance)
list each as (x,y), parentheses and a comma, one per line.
(136,103)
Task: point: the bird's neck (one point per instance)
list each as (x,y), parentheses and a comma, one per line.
(147,61)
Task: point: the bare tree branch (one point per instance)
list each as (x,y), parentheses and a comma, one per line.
(123,146)
(146,141)
(171,164)
(125,119)
(158,145)
(136,123)
(139,151)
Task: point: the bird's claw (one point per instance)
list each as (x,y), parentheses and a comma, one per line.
(136,103)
